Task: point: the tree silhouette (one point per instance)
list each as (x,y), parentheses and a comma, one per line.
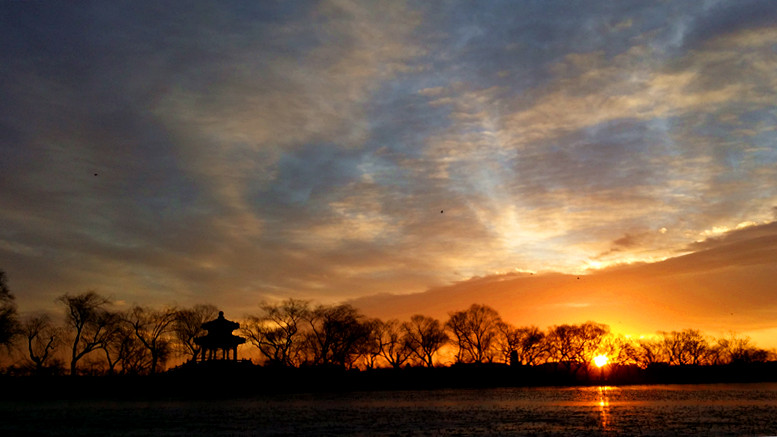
(86,316)
(475,331)
(734,349)
(685,347)
(152,327)
(588,337)
(188,325)
(290,333)
(122,347)
(575,345)
(277,332)
(618,350)
(372,347)
(527,344)
(425,336)
(335,334)
(395,343)
(561,343)
(42,340)
(649,351)
(9,325)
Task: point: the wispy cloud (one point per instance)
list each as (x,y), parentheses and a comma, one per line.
(722,285)
(336,149)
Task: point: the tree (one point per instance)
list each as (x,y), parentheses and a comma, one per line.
(575,344)
(335,335)
(425,336)
(152,327)
(476,332)
(395,343)
(9,324)
(561,343)
(42,340)
(277,332)
(685,347)
(188,325)
(589,337)
(122,347)
(649,351)
(619,350)
(86,316)
(372,347)
(507,343)
(738,350)
(527,343)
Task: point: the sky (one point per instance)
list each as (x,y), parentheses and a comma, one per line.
(237,152)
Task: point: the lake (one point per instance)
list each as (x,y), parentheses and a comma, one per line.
(715,409)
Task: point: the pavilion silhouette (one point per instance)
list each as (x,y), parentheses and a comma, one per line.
(219,338)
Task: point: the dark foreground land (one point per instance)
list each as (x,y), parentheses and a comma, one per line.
(236,379)
(651,410)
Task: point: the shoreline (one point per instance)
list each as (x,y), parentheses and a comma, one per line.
(243,379)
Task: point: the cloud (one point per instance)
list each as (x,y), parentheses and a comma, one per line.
(224,104)
(307,149)
(723,284)
(615,142)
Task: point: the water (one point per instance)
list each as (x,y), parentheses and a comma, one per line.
(720,409)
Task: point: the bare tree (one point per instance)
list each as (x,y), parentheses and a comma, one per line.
(561,343)
(575,345)
(9,324)
(188,326)
(734,349)
(685,347)
(122,347)
(278,331)
(507,343)
(86,317)
(42,340)
(475,331)
(132,358)
(527,342)
(371,348)
(335,334)
(649,351)
(425,336)
(588,338)
(395,344)
(152,327)
(618,349)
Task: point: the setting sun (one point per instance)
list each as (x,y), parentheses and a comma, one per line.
(601,360)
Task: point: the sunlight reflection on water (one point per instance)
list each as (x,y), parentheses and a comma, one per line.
(604,406)
(638,410)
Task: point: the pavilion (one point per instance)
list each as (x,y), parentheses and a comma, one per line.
(219,337)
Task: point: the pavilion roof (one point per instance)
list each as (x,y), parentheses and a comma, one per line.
(220,325)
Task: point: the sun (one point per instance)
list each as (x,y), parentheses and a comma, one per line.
(601,360)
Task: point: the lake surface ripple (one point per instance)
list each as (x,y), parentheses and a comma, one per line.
(716,409)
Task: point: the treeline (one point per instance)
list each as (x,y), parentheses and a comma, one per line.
(294,334)
(94,339)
